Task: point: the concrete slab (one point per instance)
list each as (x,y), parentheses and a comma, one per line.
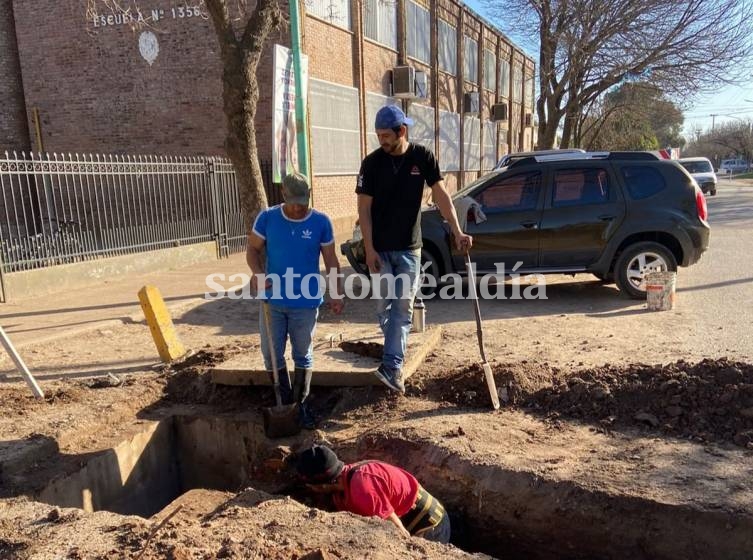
(332,366)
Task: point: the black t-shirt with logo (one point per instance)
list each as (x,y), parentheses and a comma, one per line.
(396,184)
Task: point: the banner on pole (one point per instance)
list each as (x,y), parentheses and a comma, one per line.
(284,143)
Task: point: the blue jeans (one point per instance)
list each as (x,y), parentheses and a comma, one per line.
(395,313)
(299,324)
(441,533)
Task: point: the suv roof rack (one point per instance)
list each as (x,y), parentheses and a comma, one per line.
(622,156)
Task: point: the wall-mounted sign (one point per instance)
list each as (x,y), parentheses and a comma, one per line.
(146,16)
(148,46)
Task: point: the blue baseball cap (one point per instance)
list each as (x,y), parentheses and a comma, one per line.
(391,116)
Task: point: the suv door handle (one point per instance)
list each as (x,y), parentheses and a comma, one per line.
(606,217)
(530,225)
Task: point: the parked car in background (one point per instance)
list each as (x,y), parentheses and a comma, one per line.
(733,166)
(616,215)
(507,159)
(702,171)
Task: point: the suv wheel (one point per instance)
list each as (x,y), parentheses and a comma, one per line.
(637,260)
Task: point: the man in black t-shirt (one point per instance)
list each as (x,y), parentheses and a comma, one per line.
(390,187)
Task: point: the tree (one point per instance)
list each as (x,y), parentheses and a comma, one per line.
(634,116)
(729,139)
(242,37)
(587,47)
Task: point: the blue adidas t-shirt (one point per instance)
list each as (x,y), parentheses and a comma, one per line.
(294,244)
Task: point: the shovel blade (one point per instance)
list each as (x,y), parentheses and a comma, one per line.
(491,384)
(281,421)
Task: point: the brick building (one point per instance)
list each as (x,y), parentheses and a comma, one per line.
(78,82)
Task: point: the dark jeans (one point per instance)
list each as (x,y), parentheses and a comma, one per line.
(440,533)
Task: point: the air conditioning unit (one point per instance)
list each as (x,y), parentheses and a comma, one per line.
(499,112)
(529,119)
(404,81)
(471,102)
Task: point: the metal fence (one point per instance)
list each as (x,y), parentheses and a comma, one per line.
(57,209)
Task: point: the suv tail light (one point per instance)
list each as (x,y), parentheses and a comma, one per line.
(700,203)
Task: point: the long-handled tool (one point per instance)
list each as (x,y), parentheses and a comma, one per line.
(479,333)
(280,420)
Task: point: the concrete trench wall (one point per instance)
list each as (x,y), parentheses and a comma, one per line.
(133,478)
(518,515)
(152,467)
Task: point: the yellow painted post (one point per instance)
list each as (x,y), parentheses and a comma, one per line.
(160,324)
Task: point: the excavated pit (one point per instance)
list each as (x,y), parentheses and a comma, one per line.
(504,512)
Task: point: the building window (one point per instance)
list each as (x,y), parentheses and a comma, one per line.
(472,143)
(504,78)
(448,48)
(529,92)
(490,69)
(422,131)
(517,83)
(490,145)
(380,21)
(449,141)
(336,12)
(419,33)
(470,65)
(335,129)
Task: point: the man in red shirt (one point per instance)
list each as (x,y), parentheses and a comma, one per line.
(375,489)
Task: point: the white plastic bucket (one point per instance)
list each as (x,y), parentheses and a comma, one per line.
(419,316)
(660,290)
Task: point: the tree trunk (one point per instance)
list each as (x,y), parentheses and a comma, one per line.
(240,96)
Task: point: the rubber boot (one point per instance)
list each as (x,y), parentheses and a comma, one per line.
(301,387)
(286,391)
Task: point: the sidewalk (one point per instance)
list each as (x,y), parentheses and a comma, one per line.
(111,302)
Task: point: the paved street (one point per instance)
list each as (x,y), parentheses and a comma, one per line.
(585,321)
(719,289)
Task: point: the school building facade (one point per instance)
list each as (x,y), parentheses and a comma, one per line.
(98,82)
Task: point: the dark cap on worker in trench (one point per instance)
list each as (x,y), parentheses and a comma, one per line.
(295,189)
(318,464)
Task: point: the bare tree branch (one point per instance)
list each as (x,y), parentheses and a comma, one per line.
(685,47)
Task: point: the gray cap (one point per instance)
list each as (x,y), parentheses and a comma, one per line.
(295,189)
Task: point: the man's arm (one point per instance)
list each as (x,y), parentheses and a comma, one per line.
(399,524)
(442,199)
(332,267)
(254,249)
(364,219)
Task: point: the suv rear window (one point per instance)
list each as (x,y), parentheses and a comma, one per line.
(697,166)
(580,186)
(642,182)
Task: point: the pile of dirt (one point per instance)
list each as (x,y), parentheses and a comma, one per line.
(711,400)
(188,381)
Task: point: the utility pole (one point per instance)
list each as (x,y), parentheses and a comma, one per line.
(301,126)
(713,120)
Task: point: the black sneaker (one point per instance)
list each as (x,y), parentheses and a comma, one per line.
(390,377)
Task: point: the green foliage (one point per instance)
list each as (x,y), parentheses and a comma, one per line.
(635,116)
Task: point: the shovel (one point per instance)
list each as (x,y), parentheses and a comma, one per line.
(479,333)
(280,420)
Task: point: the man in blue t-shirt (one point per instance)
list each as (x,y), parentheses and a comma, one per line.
(293,236)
